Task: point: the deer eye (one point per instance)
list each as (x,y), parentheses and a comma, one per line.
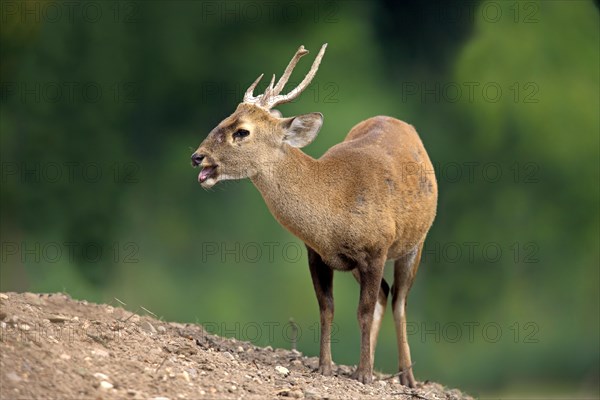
(240,133)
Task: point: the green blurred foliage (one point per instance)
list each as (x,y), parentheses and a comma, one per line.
(131,92)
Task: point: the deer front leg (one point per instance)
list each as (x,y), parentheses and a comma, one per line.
(370,280)
(322,277)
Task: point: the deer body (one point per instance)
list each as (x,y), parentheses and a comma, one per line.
(363,195)
(368,199)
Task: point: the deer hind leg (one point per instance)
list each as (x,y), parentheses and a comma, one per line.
(405,269)
(384,290)
(370,282)
(322,277)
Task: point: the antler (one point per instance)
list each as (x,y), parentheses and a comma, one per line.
(271,97)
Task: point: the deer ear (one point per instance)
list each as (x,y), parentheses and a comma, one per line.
(302,129)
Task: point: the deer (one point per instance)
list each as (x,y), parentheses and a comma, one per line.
(366,200)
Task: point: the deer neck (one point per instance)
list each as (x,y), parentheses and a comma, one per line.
(294,191)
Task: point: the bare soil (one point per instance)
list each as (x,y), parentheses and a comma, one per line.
(54,347)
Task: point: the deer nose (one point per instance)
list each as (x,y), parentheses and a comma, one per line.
(197,159)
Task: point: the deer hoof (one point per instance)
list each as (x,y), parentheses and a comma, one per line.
(362,376)
(324,370)
(407,379)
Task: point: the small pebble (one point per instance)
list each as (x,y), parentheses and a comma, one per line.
(282,370)
(100,375)
(3,296)
(58,319)
(228,355)
(106,385)
(12,376)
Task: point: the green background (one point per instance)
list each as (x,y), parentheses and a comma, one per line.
(102,104)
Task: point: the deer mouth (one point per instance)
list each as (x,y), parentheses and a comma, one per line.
(208,172)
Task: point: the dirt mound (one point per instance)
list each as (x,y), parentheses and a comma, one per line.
(54,347)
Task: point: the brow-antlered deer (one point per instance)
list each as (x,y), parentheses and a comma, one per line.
(368,199)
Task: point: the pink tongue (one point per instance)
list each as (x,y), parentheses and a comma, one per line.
(205,173)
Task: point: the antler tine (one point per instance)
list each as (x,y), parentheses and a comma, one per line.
(289,69)
(270,98)
(268,92)
(249,95)
(276,100)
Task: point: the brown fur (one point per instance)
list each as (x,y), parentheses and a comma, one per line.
(368,199)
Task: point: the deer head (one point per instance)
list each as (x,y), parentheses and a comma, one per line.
(255,135)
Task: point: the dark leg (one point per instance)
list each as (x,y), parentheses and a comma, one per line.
(384,290)
(405,269)
(322,277)
(370,281)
